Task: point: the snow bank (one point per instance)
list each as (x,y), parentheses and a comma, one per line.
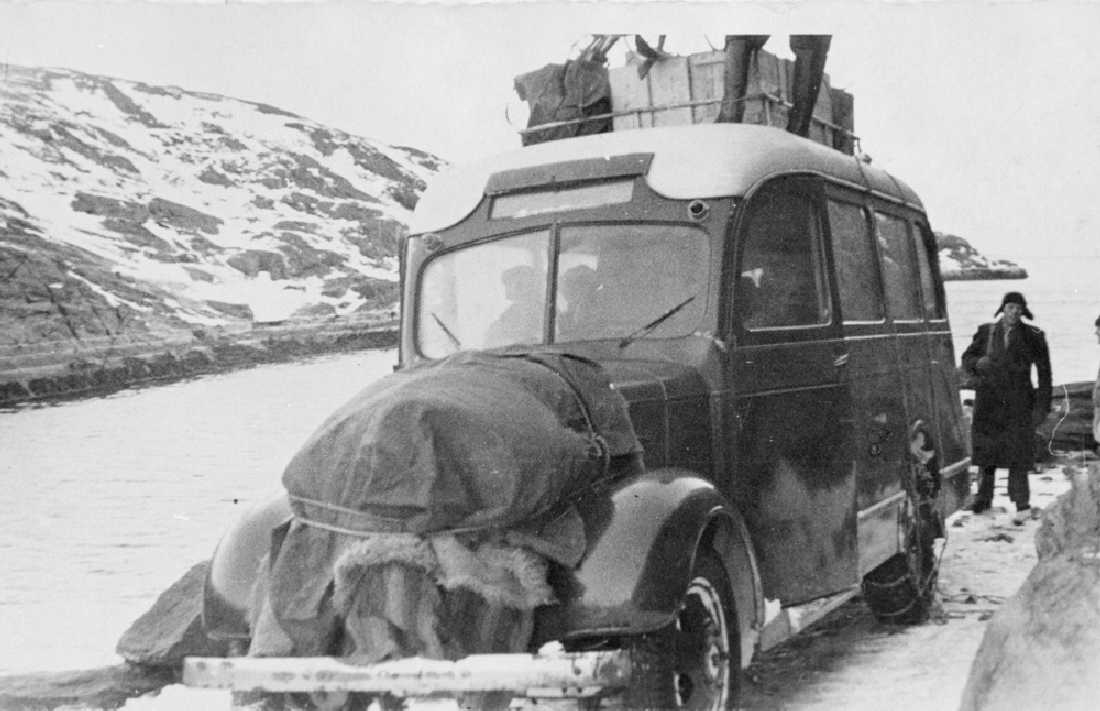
(1042,649)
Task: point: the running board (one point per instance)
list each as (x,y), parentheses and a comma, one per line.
(792,620)
(552,675)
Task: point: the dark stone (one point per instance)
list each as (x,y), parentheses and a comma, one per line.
(307,203)
(40,387)
(232,143)
(251,262)
(321,310)
(105,688)
(425,159)
(236,354)
(12,391)
(136,234)
(268,109)
(182,217)
(241,311)
(334,290)
(354,212)
(63,137)
(405,196)
(109,207)
(163,365)
(172,628)
(205,246)
(198,274)
(129,107)
(213,177)
(136,368)
(112,138)
(377,290)
(302,260)
(293,226)
(195,361)
(369,158)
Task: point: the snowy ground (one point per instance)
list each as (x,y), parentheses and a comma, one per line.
(849,662)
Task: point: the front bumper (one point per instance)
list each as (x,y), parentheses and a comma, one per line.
(548,674)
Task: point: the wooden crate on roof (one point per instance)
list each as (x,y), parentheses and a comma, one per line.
(684,90)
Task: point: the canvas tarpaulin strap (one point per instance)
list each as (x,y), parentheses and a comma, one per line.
(488,447)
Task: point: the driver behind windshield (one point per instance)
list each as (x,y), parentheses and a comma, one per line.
(521,321)
(578,287)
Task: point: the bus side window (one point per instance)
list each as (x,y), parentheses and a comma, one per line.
(926,243)
(854,255)
(782,257)
(898,268)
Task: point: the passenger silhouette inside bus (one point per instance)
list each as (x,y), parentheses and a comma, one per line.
(521,320)
(578,287)
(783,254)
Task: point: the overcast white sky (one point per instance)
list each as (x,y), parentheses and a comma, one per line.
(991,111)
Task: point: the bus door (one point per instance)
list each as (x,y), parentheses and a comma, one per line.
(901,276)
(792,470)
(952,436)
(878,399)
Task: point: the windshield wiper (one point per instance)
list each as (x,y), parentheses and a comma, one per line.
(627,340)
(454,339)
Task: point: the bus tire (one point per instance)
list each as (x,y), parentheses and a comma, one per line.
(694,662)
(902,589)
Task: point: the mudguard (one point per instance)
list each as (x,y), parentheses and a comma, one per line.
(234,569)
(647,529)
(638,569)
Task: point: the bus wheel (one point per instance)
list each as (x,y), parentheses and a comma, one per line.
(901,590)
(695,661)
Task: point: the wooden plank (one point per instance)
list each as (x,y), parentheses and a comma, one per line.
(669,83)
(708,76)
(570,674)
(628,92)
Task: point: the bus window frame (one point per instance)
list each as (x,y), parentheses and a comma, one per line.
(811,187)
(904,216)
(838,194)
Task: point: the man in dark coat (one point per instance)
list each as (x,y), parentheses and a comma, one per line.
(1007,409)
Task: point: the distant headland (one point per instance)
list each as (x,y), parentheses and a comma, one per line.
(960,261)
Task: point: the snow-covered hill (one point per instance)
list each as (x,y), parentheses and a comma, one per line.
(960,261)
(128,208)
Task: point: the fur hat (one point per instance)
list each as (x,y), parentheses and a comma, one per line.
(1015,297)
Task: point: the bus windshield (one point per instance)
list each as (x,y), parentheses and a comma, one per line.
(609,281)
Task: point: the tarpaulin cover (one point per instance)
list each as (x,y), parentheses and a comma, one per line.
(474,440)
(562,92)
(478,445)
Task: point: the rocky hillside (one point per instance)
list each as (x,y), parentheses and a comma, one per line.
(130,210)
(959,260)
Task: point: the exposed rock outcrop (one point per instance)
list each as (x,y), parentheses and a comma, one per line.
(960,261)
(135,213)
(172,628)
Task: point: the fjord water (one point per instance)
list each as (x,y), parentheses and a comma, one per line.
(107,501)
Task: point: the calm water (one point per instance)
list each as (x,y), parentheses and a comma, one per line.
(106,502)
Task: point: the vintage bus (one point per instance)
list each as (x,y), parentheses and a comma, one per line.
(772,312)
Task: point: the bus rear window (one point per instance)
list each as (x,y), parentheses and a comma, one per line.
(575,198)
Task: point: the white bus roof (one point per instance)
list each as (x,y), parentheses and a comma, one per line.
(695,161)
